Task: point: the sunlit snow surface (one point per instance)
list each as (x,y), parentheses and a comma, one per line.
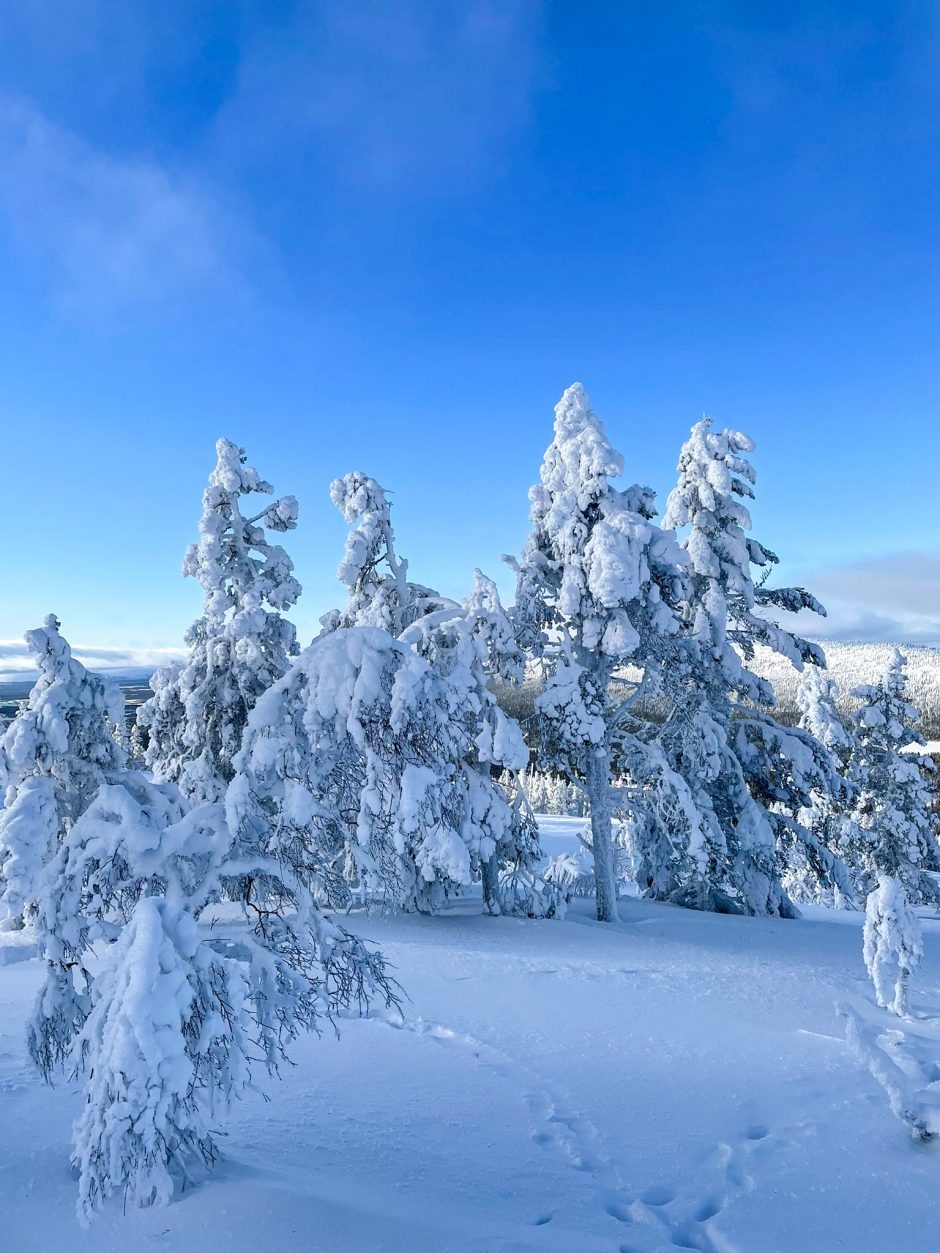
(677,1081)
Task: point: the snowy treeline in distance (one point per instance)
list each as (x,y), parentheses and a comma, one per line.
(849,663)
(852,664)
(192,881)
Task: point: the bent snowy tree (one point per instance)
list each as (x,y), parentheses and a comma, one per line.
(162,1018)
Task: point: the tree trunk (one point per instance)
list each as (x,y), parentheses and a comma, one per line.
(598,791)
(490,871)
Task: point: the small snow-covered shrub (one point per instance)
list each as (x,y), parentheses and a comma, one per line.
(893,943)
(572,872)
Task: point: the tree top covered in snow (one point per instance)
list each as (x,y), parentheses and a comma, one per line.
(233,561)
(380,594)
(715,482)
(594,557)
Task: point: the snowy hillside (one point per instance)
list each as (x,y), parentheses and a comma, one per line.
(853,664)
(678,1080)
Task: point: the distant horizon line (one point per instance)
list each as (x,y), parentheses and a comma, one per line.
(92,657)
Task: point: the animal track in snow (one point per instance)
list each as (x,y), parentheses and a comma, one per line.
(553,1126)
(682,1219)
(619,1211)
(658,1195)
(660,1216)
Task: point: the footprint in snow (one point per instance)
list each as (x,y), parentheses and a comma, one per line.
(658,1195)
(660,1217)
(682,1219)
(554,1126)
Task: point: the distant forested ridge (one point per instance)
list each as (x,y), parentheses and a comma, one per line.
(852,664)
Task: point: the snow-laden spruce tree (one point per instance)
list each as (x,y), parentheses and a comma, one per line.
(55,755)
(746,771)
(240,645)
(815,871)
(354,771)
(467,644)
(893,829)
(596,589)
(164,1019)
(468,647)
(893,943)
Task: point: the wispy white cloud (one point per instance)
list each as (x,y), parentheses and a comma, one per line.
(110,232)
(321,101)
(16,662)
(396,96)
(893,598)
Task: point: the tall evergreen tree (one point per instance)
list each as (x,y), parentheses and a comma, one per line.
(596,588)
(747,772)
(240,645)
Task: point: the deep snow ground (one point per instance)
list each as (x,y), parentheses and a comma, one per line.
(677,1081)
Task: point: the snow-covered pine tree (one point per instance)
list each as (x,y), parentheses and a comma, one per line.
(467,644)
(815,872)
(893,943)
(164,1019)
(536,789)
(240,645)
(893,829)
(55,755)
(557,795)
(351,772)
(596,589)
(747,773)
(574,802)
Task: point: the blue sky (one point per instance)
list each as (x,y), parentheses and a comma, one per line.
(385,236)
